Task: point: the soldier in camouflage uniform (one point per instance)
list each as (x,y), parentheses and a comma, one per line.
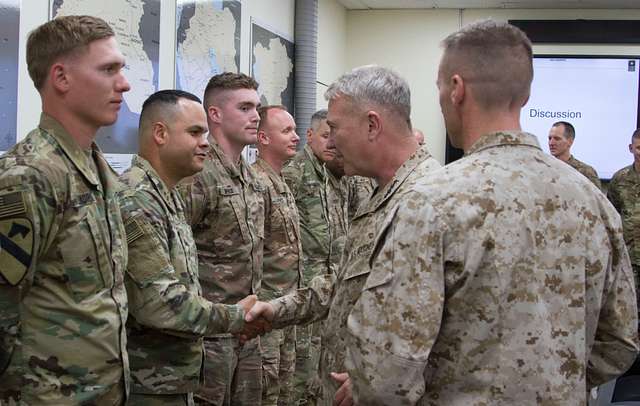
(501,279)
(167,314)
(624,193)
(277,142)
(561,137)
(63,304)
(387,152)
(322,230)
(225,207)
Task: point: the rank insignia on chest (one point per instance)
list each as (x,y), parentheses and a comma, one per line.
(227,190)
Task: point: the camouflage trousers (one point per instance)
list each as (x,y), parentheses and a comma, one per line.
(141,399)
(278,364)
(307,382)
(232,373)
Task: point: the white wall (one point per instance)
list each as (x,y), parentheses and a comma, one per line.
(275,14)
(408,42)
(332,45)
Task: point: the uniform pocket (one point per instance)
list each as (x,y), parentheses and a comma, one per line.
(85,260)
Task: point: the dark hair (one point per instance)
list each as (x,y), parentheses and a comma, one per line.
(164,97)
(227,81)
(569,131)
(61,37)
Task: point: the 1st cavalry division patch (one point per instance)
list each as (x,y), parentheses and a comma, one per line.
(16,237)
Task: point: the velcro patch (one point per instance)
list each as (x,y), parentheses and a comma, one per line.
(12,205)
(16,248)
(134,231)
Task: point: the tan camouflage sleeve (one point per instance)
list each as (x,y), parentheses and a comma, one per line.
(157,297)
(28,203)
(305,305)
(393,326)
(615,345)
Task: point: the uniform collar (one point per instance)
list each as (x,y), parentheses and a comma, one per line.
(236,171)
(403,172)
(79,157)
(315,162)
(166,194)
(276,179)
(502,138)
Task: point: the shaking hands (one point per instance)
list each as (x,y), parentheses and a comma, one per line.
(258,318)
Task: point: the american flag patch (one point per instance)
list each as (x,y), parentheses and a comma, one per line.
(134,231)
(12,205)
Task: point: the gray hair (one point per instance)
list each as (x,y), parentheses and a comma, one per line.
(374,84)
(317,118)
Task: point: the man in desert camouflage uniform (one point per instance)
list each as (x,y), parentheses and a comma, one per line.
(167,314)
(494,283)
(63,250)
(322,230)
(561,137)
(369,110)
(225,207)
(277,142)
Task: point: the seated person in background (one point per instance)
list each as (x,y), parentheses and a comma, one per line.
(561,137)
(167,314)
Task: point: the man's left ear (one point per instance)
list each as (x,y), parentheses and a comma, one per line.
(263,138)
(457,89)
(374,125)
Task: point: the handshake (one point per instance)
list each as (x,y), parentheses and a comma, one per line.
(258,318)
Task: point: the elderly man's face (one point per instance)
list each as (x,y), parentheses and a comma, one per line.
(348,132)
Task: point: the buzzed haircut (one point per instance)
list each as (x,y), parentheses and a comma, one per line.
(635,135)
(317,118)
(61,37)
(569,131)
(263,112)
(227,81)
(494,59)
(374,84)
(162,98)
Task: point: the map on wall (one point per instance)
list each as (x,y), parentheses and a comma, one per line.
(137,27)
(272,59)
(9,37)
(208,42)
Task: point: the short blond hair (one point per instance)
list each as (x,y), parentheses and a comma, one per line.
(61,37)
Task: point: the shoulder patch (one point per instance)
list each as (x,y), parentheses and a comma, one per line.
(16,248)
(12,205)
(134,231)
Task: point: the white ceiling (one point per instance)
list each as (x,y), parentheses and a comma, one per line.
(457,4)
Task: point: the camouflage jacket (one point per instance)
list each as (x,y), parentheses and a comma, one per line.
(306,177)
(334,297)
(167,314)
(225,207)
(337,191)
(624,193)
(502,279)
(586,170)
(282,269)
(63,304)
(360,189)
